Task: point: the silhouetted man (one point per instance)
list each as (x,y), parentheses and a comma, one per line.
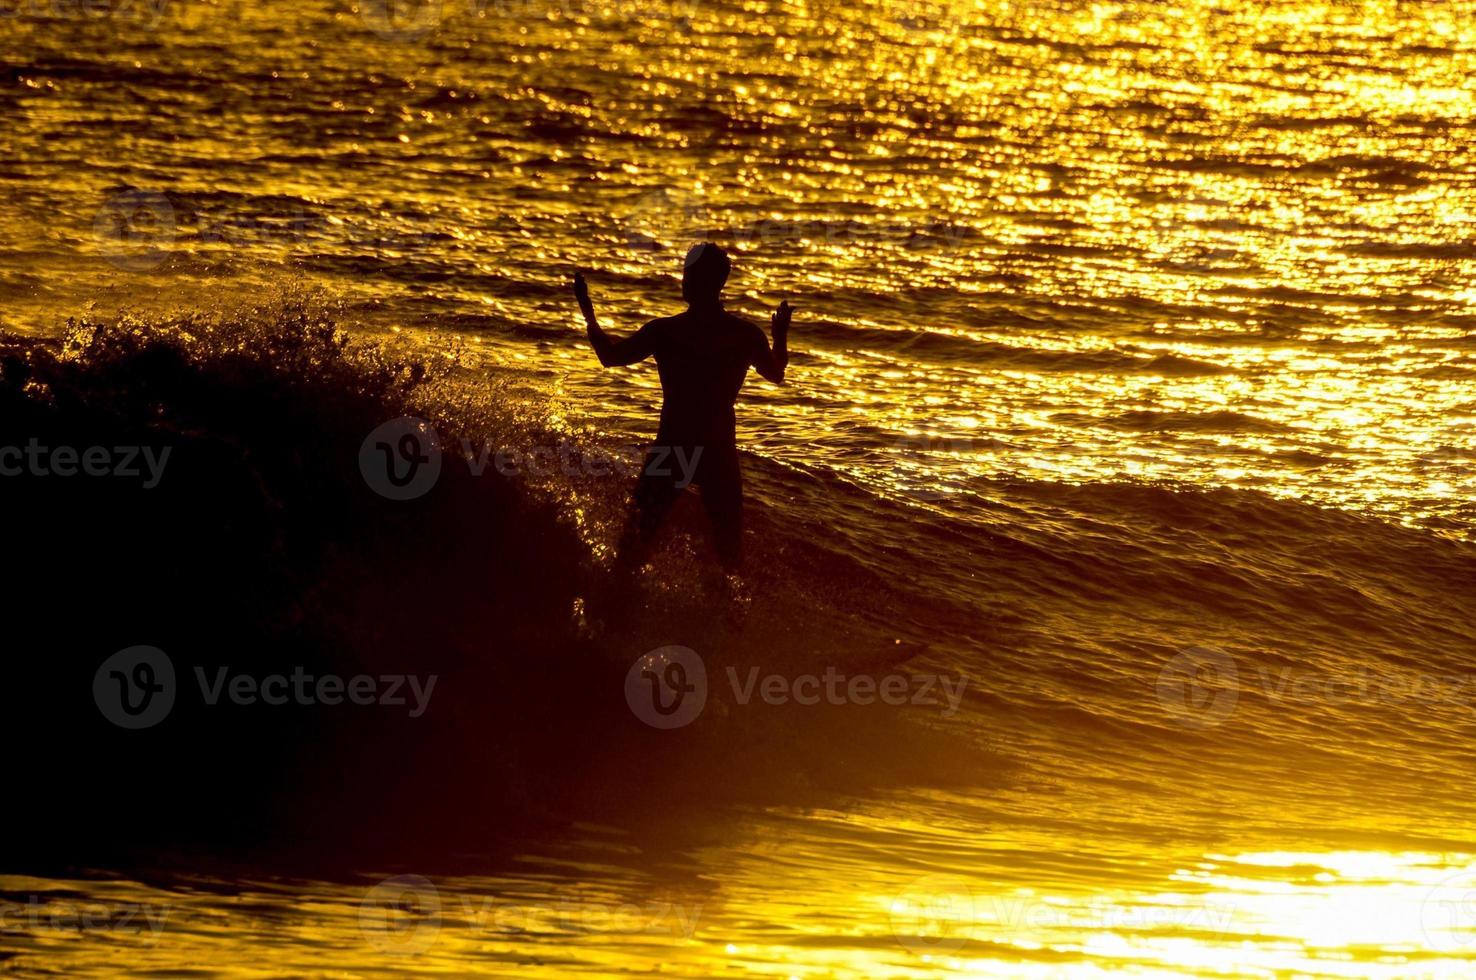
(702,355)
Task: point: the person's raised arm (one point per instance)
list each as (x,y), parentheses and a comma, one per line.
(612,353)
(771,363)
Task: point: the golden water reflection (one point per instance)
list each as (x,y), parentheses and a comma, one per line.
(1217,243)
(1264,913)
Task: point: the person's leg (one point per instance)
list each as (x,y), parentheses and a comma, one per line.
(722,498)
(616,603)
(655,493)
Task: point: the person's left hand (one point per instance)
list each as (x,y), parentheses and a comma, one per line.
(779,322)
(581,288)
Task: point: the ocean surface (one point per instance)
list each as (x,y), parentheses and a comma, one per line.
(1133,376)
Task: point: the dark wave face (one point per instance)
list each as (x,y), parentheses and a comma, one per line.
(1127,443)
(1199,717)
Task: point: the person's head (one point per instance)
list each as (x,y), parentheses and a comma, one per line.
(704,273)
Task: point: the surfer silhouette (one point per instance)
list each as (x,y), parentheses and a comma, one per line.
(702,355)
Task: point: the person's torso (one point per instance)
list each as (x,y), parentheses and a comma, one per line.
(702,359)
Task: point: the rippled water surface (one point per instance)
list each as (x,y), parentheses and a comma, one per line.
(1221,244)
(1043,254)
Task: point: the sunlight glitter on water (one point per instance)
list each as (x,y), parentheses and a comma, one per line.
(1090,227)
(1332,914)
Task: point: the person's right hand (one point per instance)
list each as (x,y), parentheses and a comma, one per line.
(581,288)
